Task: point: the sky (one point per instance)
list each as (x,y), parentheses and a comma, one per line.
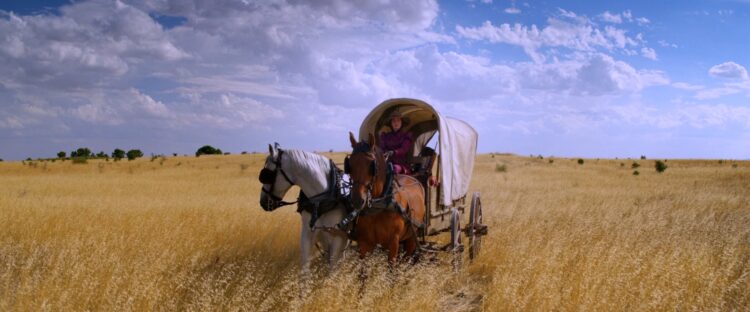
(664,79)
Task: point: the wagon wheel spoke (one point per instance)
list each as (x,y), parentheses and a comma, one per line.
(476,228)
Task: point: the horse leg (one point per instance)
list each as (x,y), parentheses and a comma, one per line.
(393,250)
(411,247)
(336,246)
(365,248)
(337,241)
(307,241)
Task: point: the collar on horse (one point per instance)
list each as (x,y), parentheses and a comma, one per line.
(325,201)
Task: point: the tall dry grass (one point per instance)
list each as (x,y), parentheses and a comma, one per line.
(188,234)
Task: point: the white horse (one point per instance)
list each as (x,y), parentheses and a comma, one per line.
(313,174)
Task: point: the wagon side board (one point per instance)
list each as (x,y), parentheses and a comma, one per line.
(439,216)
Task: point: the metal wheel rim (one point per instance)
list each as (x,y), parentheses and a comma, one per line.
(475,241)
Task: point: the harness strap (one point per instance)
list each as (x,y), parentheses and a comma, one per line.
(325,201)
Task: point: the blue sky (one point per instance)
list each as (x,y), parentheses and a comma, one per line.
(561,78)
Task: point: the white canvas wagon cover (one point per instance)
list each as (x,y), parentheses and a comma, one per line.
(457,144)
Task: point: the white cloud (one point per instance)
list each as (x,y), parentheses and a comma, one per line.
(602,74)
(512,10)
(692,115)
(113,107)
(530,38)
(648,53)
(611,18)
(10,122)
(725,12)
(627,15)
(87,43)
(666,44)
(687,86)
(149,105)
(570,31)
(619,37)
(730,70)
(714,93)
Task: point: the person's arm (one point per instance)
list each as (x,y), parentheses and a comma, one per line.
(381,142)
(405,146)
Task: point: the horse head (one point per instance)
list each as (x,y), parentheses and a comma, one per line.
(366,168)
(275,180)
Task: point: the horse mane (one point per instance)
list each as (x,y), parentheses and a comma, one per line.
(303,161)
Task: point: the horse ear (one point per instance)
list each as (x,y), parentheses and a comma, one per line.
(276,146)
(270,150)
(352,139)
(372,141)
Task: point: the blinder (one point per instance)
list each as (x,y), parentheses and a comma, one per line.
(267,176)
(373,168)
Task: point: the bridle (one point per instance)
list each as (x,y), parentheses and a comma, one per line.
(364,149)
(268,176)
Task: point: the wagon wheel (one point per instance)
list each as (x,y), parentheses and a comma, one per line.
(456,247)
(476,229)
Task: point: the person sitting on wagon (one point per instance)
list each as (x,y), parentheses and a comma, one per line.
(397,144)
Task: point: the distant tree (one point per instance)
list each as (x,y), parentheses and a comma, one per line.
(102,154)
(61,154)
(1,159)
(134,153)
(83,152)
(207,150)
(174,154)
(118,154)
(643,156)
(580,161)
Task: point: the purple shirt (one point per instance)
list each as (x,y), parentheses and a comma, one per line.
(400,143)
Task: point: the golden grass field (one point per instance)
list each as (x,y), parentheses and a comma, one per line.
(186,233)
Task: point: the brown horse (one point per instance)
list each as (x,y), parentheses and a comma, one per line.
(387,227)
